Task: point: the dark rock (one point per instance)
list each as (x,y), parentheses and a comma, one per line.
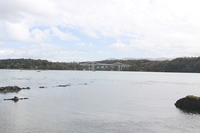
(11,89)
(28,88)
(15,99)
(63,85)
(42,87)
(189,103)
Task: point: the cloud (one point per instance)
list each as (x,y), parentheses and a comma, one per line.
(17,32)
(84,44)
(38,51)
(20,32)
(162,27)
(105,18)
(167,46)
(119,46)
(40,35)
(108,18)
(64,36)
(91,33)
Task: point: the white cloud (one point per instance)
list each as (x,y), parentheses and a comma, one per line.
(109,18)
(119,46)
(159,26)
(40,36)
(18,32)
(91,33)
(64,36)
(38,51)
(84,44)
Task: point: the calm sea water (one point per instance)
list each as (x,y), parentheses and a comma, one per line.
(98,102)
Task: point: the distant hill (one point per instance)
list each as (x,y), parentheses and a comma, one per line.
(186,64)
(128,58)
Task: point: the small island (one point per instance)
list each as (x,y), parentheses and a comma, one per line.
(189,103)
(12,89)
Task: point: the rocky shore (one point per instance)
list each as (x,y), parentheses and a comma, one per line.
(12,89)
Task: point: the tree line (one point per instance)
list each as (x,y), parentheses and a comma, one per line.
(38,64)
(189,64)
(186,64)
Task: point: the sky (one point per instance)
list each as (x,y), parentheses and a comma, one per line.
(92,30)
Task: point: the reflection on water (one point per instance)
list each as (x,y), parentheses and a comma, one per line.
(98,102)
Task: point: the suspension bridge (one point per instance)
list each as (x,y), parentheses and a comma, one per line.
(92,65)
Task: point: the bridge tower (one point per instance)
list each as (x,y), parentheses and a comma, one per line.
(119,66)
(93,66)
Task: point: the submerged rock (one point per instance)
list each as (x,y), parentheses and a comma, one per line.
(15,99)
(42,87)
(189,103)
(11,89)
(63,85)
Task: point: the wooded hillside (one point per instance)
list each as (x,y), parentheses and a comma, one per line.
(38,64)
(177,65)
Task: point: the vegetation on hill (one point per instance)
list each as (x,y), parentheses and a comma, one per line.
(177,65)
(38,64)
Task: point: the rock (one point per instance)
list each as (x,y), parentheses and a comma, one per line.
(189,103)
(11,89)
(15,99)
(42,87)
(28,88)
(63,85)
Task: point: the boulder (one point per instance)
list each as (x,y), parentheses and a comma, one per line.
(189,103)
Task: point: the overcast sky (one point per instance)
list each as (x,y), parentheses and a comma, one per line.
(86,30)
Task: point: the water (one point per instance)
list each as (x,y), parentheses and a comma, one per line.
(96,102)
